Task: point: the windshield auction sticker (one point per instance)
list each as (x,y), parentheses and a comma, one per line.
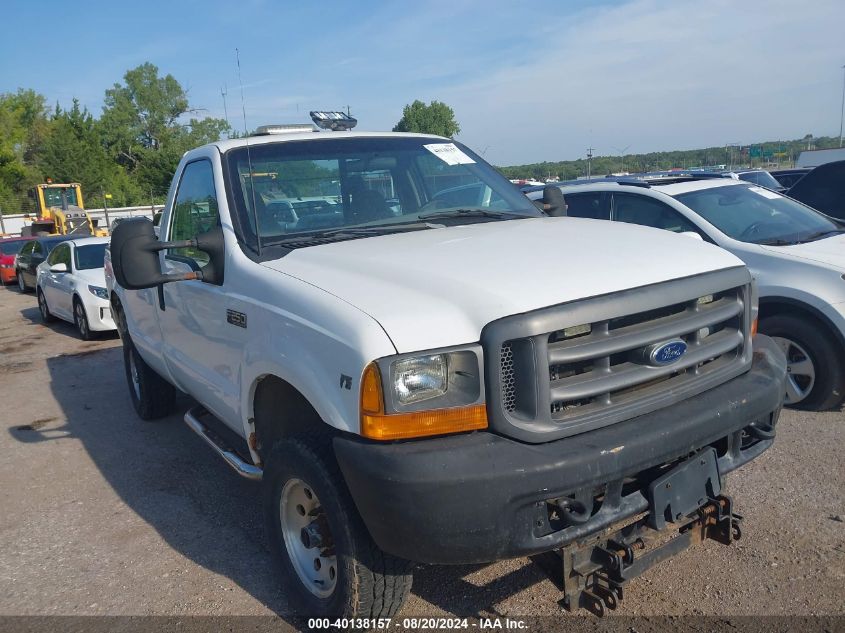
(449,153)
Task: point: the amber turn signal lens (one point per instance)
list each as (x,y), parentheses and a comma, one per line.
(372,401)
(399,426)
(754,327)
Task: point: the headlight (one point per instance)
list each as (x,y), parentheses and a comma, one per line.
(103,293)
(418,379)
(420,395)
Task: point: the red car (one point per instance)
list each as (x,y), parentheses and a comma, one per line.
(9,248)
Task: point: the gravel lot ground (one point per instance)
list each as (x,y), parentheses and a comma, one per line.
(101,513)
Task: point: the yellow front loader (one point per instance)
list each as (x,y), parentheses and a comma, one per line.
(60,211)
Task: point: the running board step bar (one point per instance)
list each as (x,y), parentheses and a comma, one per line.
(244,469)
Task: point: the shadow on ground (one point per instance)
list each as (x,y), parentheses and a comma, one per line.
(165,474)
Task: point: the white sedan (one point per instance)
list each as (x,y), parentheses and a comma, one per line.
(71,285)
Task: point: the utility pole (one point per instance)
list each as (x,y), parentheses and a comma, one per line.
(589,163)
(842,111)
(152,205)
(2,226)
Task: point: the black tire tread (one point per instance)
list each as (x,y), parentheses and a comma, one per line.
(49,318)
(158,397)
(812,334)
(379,583)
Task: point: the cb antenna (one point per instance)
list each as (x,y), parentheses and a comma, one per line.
(249,158)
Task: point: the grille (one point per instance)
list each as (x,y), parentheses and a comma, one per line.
(575,367)
(610,365)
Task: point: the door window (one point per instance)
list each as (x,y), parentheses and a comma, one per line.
(60,255)
(194,210)
(587,205)
(646,211)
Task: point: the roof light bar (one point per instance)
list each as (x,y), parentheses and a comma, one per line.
(290,128)
(336,121)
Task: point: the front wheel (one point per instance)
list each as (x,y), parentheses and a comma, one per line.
(43,308)
(325,554)
(152,396)
(21,283)
(815,378)
(81,321)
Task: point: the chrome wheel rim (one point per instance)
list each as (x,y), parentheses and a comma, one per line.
(81,321)
(133,374)
(316,566)
(21,283)
(42,305)
(800,370)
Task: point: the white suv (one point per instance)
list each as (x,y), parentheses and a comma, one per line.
(796,255)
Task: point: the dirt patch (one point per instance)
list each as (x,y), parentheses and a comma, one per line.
(16,367)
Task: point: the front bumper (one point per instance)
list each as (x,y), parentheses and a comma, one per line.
(99,315)
(482,497)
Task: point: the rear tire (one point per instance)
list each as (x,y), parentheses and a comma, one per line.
(152,396)
(816,375)
(350,577)
(43,308)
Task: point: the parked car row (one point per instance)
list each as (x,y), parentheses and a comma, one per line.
(796,255)
(66,275)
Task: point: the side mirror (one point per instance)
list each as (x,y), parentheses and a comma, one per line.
(134,255)
(61,267)
(554,204)
(692,234)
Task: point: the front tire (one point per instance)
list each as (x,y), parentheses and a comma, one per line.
(335,570)
(80,319)
(21,283)
(152,396)
(43,308)
(816,377)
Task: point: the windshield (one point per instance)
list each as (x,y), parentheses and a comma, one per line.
(752,214)
(763,178)
(11,248)
(307,188)
(53,196)
(89,256)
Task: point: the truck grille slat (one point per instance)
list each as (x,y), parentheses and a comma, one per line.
(575,367)
(629,374)
(593,345)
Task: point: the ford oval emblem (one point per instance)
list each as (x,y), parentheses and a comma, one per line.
(667,353)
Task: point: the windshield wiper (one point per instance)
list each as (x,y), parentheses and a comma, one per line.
(471,213)
(343,232)
(820,234)
(777,242)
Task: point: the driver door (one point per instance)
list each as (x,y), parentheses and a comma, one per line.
(201,347)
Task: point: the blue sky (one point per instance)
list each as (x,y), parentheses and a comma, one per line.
(528,81)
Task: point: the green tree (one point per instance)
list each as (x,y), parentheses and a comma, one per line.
(23,127)
(434,118)
(143,128)
(73,152)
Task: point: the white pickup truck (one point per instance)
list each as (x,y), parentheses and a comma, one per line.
(423,367)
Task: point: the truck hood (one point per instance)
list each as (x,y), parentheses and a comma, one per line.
(440,287)
(829,251)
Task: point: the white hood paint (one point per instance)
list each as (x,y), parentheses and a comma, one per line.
(829,251)
(93,276)
(440,287)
